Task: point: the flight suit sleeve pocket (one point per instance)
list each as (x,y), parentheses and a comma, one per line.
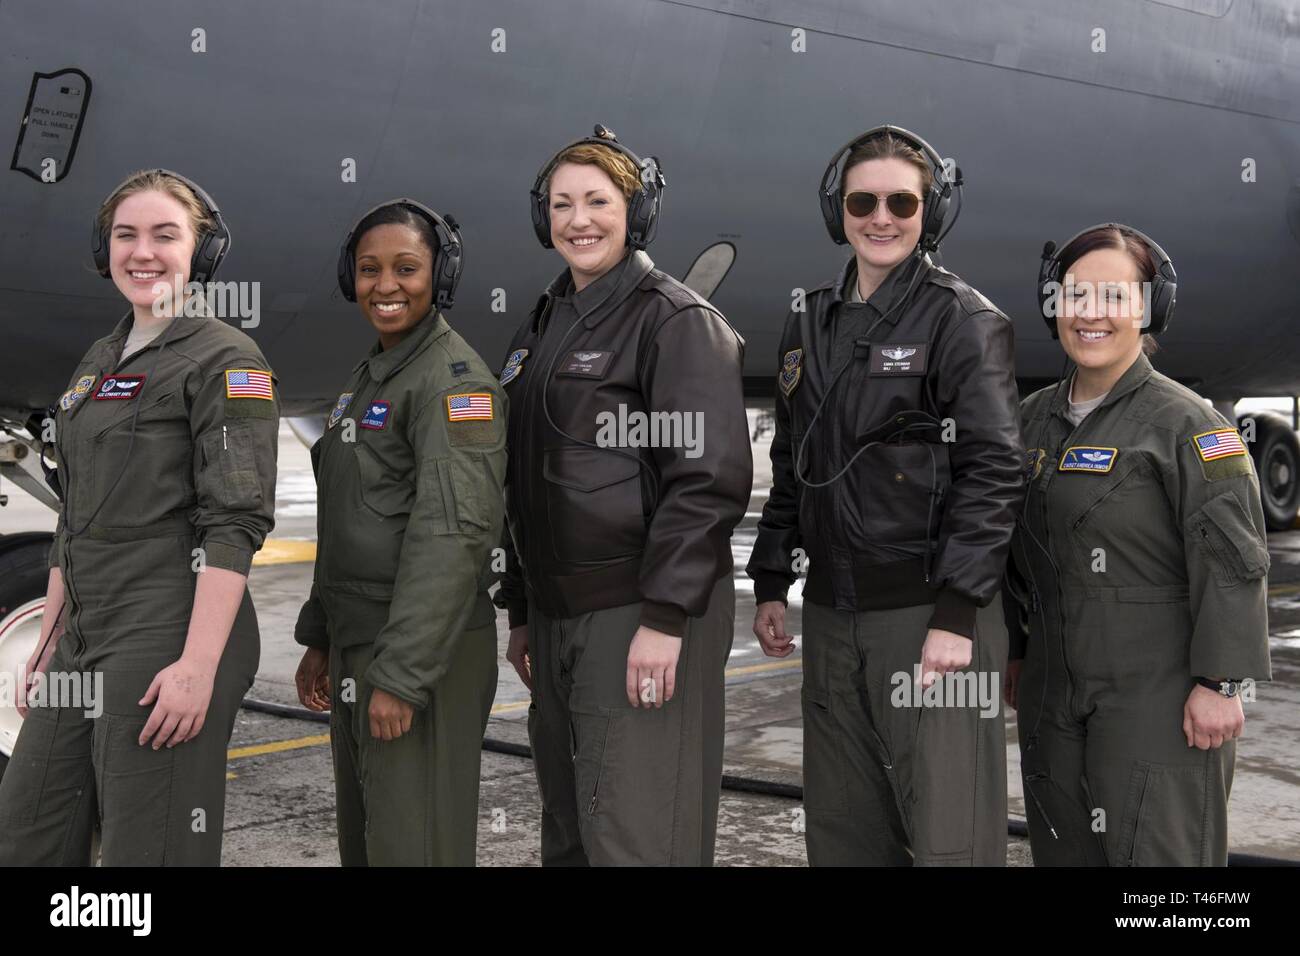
(228,473)
(459,502)
(1226,535)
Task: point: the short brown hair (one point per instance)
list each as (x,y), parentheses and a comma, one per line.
(201,222)
(613,163)
(1113,237)
(888,146)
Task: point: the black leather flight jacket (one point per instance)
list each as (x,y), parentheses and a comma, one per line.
(925,516)
(594,526)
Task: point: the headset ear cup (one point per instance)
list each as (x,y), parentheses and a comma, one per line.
(99,248)
(347,282)
(832,203)
(541,219)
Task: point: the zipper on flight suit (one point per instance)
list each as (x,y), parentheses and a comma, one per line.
(1093,507)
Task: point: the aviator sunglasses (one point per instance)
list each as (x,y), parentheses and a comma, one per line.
(900,205)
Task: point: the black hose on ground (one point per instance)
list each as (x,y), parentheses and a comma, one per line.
(767,788)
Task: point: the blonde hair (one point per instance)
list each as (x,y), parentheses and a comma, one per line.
(146,180)
(613,163)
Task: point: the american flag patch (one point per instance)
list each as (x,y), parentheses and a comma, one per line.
(1220,443)
(248,383)
(469,406)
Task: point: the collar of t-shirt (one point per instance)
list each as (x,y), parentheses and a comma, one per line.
(1078,411)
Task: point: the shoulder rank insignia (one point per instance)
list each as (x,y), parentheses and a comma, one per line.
(340,407)
(469,406)
(80,390)
(248,383)
(1090,458)
(791,369)
(376,416)
(514,365)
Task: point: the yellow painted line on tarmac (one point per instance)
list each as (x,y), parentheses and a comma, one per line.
(279,746)
(1284,589)
(285,551)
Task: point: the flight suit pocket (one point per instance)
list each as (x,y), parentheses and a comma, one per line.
(382,491)
(825,781)
(1225,533)
(228,476)
(135,787)
(593,499)
(461,503)
(1163,823)
(26,775)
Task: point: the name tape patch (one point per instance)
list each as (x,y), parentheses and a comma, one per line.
(248,383)
(1088,458)
(469,407)
(376,416)
(901,359)
(119,387)
(587,364)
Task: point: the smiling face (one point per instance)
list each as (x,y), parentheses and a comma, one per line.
(881,240)
(151,243)
(1101,309)
(394,269)
(588,220)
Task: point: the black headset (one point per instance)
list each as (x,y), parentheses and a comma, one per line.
(209,249)
(448,258)
(831,192)
(642,208)
(1164,284)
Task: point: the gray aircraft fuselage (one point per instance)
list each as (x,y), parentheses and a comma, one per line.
(1184,125)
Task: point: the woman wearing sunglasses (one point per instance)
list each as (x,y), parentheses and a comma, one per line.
(896,469)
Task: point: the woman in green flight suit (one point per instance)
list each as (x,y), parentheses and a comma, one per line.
(399,624)
(1141,568)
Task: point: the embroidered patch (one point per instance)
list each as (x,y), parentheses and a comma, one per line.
(791,369)
(587,364)
(248,383)
(1034,462)
(1088,458)
(376,416)
(458,368)
(339,408)
(903,359)
(514,365)
(469,406)
(75,394)
(1220,443)
(119,387)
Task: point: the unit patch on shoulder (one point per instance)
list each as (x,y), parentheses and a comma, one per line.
(514,365)
(72,396)
(1222,454)
(469,406)
(1088,458)
(791,369)
(119,387)
(340,407)
(376,416)
(458,368)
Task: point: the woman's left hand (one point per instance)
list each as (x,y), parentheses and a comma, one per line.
(1210,719)
(390,716)
(183,691)
(652,667)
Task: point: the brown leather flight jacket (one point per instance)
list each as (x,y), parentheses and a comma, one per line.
(629,456)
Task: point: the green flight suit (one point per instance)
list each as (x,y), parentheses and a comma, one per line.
(409,507)
(1141,562)
(199,474)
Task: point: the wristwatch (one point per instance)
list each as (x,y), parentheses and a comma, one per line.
(1228,687)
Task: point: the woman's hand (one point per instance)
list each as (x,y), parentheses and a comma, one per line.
(1011,685)
(38,663)
(769,628)
(390,716)
(517,655)
(652,667)
(942,652)
(1210,719)
(313,679)
(183,691)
